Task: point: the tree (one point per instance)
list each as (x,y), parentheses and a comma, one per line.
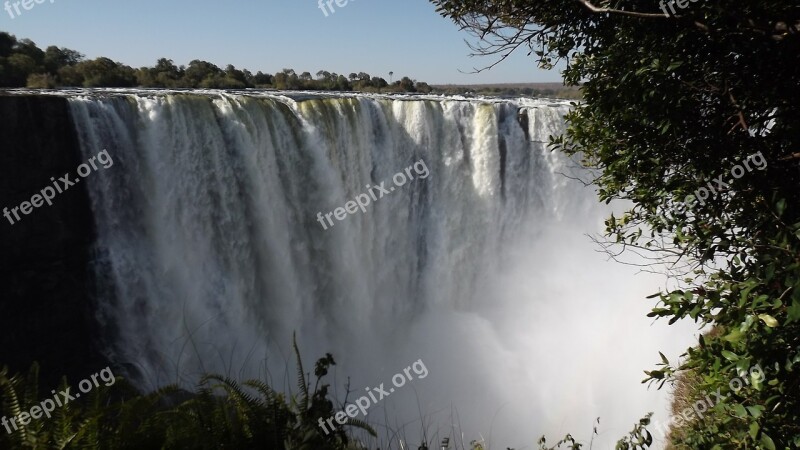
(144,78)
(249,78)
(41,81)
(673,104)
(56,58)
(164,74)
(378,82)
(262,78)
(235,78)
(18,68)
(280,80)
(422,87)
(7,43)
(407,84)
(293,82)
(23,63)
(70,76)
(29,48)
(103,72)
(342,84)
(198,71)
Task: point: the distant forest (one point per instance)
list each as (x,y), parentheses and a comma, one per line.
(24,64)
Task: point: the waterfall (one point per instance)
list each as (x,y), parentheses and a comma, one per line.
(210,251)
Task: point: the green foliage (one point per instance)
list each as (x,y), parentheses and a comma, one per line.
(220,413)
(22,64)
(669,104)
(55,58)
(103,72)
(66,426)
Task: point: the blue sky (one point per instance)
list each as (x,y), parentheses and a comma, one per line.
(374,36)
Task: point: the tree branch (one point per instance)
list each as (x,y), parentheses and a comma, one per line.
(596,9)
(640,15)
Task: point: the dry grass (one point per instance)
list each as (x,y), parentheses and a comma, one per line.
(685,394)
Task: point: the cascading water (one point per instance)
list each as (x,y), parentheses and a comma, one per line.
(212,255)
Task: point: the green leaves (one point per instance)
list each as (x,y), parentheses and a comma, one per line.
(754,429)
(730,356)
(219,413)
(780,207)
(755,411)
(767,442)
(793,312)
(675,111)
(769,320)
(674,66)
(739,410)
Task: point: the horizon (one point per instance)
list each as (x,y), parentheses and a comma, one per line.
(434,52)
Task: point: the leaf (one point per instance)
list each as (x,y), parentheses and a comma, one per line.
(754,429)
(301,380)
(767,442)
(755,411)
(769,320)
(674,66)
(781,206)
(734,336)
(739,410)
(756,381)
(730,356)
(742,366)
(748,322)
(362,425)
(793,311)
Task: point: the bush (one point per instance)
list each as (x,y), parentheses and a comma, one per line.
(41,81)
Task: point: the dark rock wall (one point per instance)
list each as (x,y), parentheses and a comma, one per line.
(46,311)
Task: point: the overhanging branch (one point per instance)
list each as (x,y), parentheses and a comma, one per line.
(640,15)
(621,12)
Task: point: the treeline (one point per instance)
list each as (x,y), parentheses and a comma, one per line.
(23,64)
(566,92)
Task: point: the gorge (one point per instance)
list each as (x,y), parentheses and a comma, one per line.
(200,251)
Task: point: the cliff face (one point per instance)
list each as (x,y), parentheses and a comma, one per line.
(46,313)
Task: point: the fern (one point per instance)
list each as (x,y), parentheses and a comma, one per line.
(245,405)
(219,413)
(11,404)
(301,379)
(362,425)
